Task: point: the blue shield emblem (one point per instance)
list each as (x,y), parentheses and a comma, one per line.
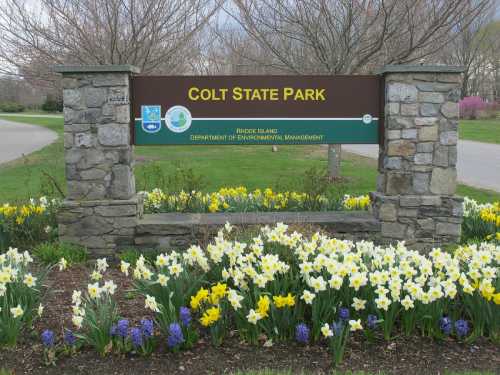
(151,118)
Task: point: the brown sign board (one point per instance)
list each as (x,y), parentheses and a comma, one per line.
(297,109)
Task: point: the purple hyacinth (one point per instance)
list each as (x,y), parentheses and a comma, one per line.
(461,328)
(69,337)
(175,336)
(112,330)
(185,316)
(147,328)
(122,328)
(48,338)
(445,325)
(371,321)
(136,337)
(302,333)
(337,327)
(344,314)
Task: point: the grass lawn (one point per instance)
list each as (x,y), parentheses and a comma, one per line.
(251,166)
(480,130)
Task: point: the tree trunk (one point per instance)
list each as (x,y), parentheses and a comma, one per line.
(334,156)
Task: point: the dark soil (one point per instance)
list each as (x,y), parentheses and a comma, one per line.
(408,356)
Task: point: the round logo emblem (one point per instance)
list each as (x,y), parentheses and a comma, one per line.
(367,119)
(178,119)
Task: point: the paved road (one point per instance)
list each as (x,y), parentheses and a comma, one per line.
(18,139)
(478,163)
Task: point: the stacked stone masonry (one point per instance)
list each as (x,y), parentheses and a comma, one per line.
(101,226)
(97,136)
(101,208)
(178,231)
(417,165)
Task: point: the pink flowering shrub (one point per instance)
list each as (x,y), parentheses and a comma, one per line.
(471,106)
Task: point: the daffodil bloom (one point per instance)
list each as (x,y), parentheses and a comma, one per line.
(200,297)
(234,299)
(496,298)
(355,325)
(253,317)
(94,290)
(76,297)
(17,311)
(150,303)
(162,279)
(263,306)
(63,264)
(102,265)
(210,316)
(358,304)
(146,273)
(308,297)
(217,292)
(109,287)
(407,303)
(284,301)
(326,331)
(124,267)
(77,321)
(5,277)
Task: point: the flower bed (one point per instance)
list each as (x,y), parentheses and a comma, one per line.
(481,221)
(280,287)
(239,199)
(27,224)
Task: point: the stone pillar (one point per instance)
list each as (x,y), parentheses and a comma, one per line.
(415,198)
(101,206)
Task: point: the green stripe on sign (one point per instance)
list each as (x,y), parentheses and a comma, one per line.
(266,131)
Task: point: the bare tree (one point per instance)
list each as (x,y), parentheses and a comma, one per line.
(352,36)
(469,48)
(156,35)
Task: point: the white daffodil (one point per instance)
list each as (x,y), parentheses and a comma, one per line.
(358,304)
(253,317)
(308,297)
(326,330)
(150,303)
(17,311)
(94,290)
(40,310)
(63,264)
(77,321)
(124,267)
(163,279)
(355,325)
(102,265)
(109,287)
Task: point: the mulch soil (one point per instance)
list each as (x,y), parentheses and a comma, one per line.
(402,355)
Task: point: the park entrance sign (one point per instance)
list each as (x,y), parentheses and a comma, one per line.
(218,110)
(107,109)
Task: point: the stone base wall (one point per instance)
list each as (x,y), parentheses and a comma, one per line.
(422,221)
(101,226)
(179,231)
